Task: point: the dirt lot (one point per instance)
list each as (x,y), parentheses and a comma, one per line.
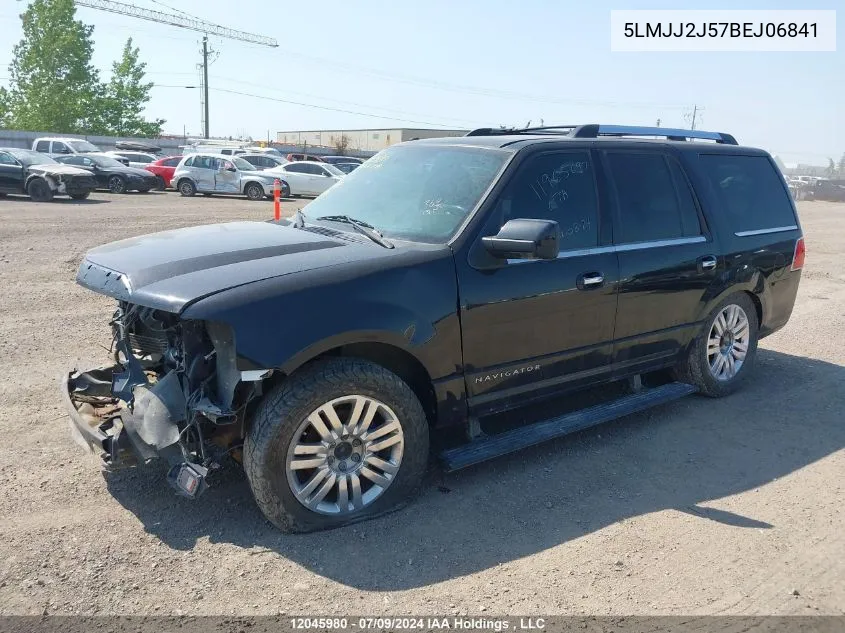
(700,507)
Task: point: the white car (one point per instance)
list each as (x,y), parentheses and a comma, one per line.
(135,159)
(308,178)
(61,146)
(216,173)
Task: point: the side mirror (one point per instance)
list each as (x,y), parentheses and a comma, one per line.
(525,239)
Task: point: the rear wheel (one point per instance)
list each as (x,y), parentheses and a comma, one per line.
(187,188)
(341,441)
(254,191)
(39,190)
(285,190)
(117,184)
(723,354)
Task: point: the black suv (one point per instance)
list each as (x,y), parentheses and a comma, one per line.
(446,281)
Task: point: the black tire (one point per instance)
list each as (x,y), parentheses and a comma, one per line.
(80,196)
(695,368)
(285,407)
(253,191)
(39,190)
(187,188)
(285,190)
(117,184)
(160,184)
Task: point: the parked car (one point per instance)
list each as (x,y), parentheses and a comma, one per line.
(138,160)
(264,161)
(215,173)
(40,177)
(445,281)
(111,174)
(300,157)
(307,178)
(137,146)
(61,146)
(347,168)
(828,190)
(336,160)
(163,169)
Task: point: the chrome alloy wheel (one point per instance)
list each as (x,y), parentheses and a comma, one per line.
(728,342)
(344,455)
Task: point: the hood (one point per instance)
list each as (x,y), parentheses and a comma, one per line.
(58,169)
(172,269)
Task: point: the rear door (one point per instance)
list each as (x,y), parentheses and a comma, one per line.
(298,179)
(667,257)
(203,171)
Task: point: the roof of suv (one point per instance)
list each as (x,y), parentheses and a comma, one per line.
(514,139)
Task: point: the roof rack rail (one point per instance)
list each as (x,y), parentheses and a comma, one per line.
(594,130)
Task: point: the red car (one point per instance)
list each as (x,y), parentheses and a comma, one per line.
(163,168)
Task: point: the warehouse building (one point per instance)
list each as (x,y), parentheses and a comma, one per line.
(360,140)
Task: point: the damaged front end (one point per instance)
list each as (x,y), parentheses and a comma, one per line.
(174,393)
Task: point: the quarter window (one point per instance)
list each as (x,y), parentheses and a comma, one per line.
(557,186)
(749,191)
(649,207)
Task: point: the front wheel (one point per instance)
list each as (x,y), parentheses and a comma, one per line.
(722,355)
(117,184)
(39,190)
(187,188)
(340,441)
(254,191)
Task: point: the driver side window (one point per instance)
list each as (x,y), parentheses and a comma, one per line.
(555,186)
(6,159)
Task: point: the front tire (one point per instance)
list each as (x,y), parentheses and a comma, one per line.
(722,355)
(39,190)
(187,188)
(117,184)
(254,191)
(341,441)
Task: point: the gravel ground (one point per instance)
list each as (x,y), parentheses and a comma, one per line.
(730,506)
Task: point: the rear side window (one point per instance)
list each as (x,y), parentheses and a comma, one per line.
(171,162)
(749,190)
(654,200)
(42,146)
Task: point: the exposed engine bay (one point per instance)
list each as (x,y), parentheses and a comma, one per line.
(174,393)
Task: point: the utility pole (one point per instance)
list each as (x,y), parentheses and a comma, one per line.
(658,122)
(205,84)
(694,112)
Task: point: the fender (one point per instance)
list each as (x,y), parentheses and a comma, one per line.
(284,322)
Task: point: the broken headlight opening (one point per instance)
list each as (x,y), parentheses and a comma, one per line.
(174,394)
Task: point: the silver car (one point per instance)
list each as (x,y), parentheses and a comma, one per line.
(216,173)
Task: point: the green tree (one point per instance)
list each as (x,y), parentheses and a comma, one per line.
(830,172)
(52,80)
(841,167)
(124,97)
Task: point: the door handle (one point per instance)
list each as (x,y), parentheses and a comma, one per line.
(588,281)
(708,262)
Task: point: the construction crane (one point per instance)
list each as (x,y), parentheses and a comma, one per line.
(183,22)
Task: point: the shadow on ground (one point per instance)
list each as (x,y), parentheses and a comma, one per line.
(679,456)
(56,200)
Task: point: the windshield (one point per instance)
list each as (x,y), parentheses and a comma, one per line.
(242,164)
(83,146)
(28,157)
(417,192)
(108,161)
(334,171)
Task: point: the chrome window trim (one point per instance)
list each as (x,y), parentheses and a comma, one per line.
(777,229)
(619,248)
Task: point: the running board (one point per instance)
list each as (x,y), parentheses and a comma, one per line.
(490,446)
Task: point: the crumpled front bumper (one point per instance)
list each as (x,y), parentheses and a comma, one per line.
(94,416)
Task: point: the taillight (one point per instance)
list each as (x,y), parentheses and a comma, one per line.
(798,256)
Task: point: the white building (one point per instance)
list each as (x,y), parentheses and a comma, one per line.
(360,140)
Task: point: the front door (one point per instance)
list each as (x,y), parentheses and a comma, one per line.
(227,178)
(667,260)
(11,174)
(534,326)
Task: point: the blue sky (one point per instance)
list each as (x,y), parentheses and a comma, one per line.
(465,63)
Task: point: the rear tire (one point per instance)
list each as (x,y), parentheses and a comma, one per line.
(719,362)
(285,190)
(187,188)
(39,190)
(281,433)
